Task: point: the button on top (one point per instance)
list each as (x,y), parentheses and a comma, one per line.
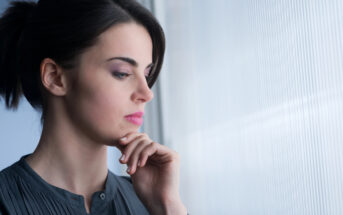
(102,196)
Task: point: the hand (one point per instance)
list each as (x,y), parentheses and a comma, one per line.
(154,171)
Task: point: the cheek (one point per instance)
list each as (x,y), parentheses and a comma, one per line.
(104,107)
(100,110)
(108,115)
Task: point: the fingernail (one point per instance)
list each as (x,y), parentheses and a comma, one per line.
(122,158)
(128,170)
(139,163)
(123,138)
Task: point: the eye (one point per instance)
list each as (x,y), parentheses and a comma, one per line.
(148,76)
(148,79)
(120,75)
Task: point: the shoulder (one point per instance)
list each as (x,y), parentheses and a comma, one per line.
(8,177)
(13,176)
(9,189)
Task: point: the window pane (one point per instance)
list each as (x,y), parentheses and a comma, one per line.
(252,101)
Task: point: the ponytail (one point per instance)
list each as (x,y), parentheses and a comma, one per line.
(61,30)
(12,23)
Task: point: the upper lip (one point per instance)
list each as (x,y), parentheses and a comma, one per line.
(137,114)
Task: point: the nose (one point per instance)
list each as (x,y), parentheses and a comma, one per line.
(142,93)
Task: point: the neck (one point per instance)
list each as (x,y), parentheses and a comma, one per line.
(66,159)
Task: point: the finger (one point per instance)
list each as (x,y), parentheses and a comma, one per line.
(134,158)
(129,148)
(130,137)
(124,141)
(147,152)
(158,154)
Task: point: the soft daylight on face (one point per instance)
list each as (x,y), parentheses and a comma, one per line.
(102,95)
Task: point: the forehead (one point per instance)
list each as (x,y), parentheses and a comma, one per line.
(127,40)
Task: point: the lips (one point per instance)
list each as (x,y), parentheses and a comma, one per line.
(135,118)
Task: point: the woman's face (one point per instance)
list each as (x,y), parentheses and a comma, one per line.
(110,83)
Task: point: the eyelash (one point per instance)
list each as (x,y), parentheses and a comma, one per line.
(120,75)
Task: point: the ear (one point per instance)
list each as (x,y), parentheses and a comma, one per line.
(53,77)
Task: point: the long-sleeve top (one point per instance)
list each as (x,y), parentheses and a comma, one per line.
(23,191)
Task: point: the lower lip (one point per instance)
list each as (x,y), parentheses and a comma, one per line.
(135,120)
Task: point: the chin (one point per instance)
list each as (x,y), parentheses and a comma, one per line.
(113,143)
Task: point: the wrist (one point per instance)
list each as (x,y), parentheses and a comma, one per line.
(170,207)
(175,208)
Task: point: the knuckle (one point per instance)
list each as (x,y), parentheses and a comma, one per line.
(145,152)
(139,139)
(144,140)
(153,144)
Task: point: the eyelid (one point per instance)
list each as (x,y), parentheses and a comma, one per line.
(149,71)
(117,74)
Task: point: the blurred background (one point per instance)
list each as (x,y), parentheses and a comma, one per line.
(250,96)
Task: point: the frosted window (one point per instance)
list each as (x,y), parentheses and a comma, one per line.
(252,100)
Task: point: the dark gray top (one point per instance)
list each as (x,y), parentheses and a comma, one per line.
(23,191)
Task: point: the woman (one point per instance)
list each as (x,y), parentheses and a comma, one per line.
(88,66)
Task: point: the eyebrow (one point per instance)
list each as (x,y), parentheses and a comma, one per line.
(129,60)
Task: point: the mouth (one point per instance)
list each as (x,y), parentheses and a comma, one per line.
(135,118)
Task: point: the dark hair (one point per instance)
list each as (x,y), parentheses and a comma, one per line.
(61,30)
